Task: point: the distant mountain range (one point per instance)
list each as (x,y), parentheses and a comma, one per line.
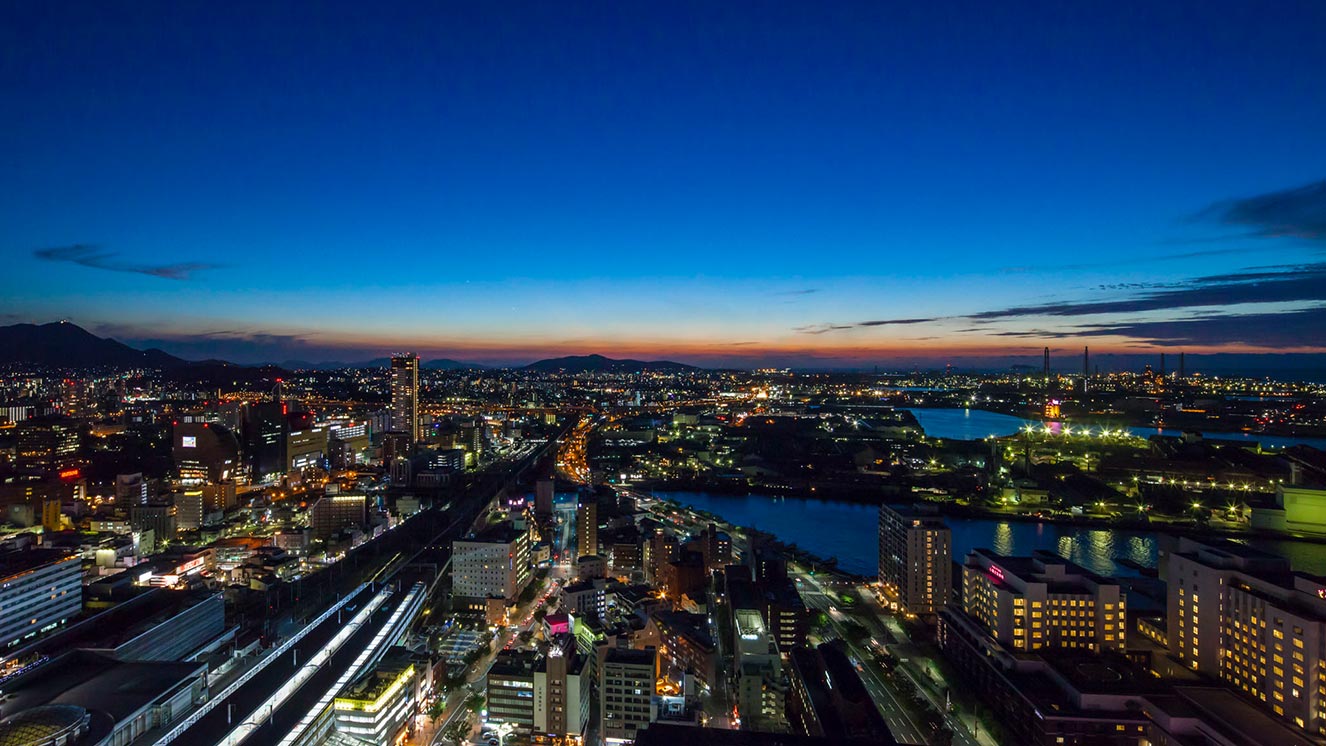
(62,344)
(381,362)
(601,364)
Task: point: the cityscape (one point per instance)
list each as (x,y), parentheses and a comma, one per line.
(709,374)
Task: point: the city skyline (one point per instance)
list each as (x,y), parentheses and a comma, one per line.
(806,187)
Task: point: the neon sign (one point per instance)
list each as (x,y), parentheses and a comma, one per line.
(997,573)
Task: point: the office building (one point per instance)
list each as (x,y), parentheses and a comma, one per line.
(626,693)
(190,509)
(544,493)
(306,449)
(915,559)
(687,645)
(204,453)
(40,589)
(46,443)
(265,433)
(510,683)
(827,698)
(493,564)
(562,682)
(161,518)
(1043,601)
(405,395)
(1245,617)
(587,529)
(761,689)
(378,706)
(337,511)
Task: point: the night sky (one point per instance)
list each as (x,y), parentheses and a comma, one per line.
(814,184)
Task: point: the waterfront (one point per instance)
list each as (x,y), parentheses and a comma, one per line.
(847,531)
(974,424)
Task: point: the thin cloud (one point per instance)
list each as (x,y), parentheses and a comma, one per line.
(1290,213)
(91,255)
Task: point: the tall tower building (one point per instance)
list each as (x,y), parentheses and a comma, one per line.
(915,559)
(405,394)
(587,529)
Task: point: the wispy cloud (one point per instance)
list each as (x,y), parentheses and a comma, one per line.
(92,255)
(1290,213)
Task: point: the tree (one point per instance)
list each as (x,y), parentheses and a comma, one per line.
(855,633)
(941,737)
(436,709)
(475,703)
(457,731)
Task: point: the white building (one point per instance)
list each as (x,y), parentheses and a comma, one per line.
(494,564)
(40,589)
(915,559)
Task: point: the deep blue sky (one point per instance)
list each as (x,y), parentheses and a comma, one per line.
(721,182)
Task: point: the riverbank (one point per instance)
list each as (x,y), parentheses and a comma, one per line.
(903,496)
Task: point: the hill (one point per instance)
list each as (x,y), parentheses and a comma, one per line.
(601,364)
(65,345)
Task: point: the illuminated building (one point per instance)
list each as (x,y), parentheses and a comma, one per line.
(306,449)
(626,693)
(376,707)
(347,444)
(52,515)
(761,692)
(405,395)
(915,559)
(46,443)
(265,432)
(158,517)
(1043,601)
(494,564)
(40,589)
(510,683)
(587,529)
(1245,617)
(189,509)
(562,682)
(337,511)
(204,453)
(687,646)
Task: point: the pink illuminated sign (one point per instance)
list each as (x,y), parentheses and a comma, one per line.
(996,573)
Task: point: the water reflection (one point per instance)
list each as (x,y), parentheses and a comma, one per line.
(848,531)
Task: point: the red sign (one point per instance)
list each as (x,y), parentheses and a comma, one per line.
(69,474)
(996,573)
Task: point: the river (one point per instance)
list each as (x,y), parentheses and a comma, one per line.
(974,424)
(848,531)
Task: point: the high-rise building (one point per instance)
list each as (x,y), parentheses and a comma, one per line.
(626,693)
(265,433)
(40,589)
(493,564)
(915,559)
(587,529)
(405,395)
(204,453)
(1245,617)
(562,682)
(46,443)
(510,685)
(1043,601)
(334,512)
(544,492)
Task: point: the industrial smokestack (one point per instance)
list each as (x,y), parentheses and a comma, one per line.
(1045,368)
(1182,372)
(1086,366)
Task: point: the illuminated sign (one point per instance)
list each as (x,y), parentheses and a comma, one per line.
(189,441)
(69,474)
(997,573)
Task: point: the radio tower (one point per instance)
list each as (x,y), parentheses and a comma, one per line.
(1086,367)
